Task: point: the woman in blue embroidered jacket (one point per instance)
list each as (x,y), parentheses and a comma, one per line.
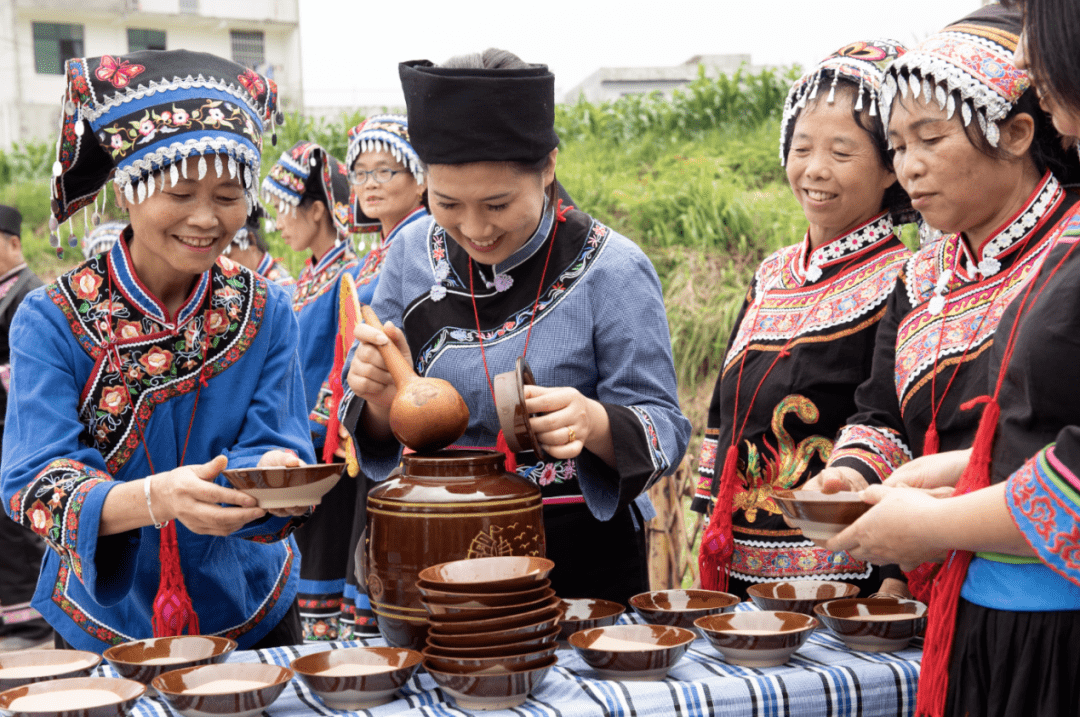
(311,192)
(137,374)
(463,285)
(805,336)
(1014,609)
(388,181)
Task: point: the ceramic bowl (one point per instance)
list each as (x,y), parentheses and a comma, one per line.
(757,638)
(237,689)
(442,626)
(281,487)
(509,390)
(680,608)
(632,652)
(799,595)
(457,612)
(819,515)
(357,678)
(530,642)
(874,624)
(27,666)
(436,594)
(143,660)
(72,697)
(518,661)
(495,637)
(584,613)
(492,691)
(488,575)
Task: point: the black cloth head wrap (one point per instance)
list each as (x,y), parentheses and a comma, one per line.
(461,115)
(10,220)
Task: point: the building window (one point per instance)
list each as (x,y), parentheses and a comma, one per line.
(189,7)
(248,47)
(145,40)
(55,43)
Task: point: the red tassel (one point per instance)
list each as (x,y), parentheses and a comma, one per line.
(337,392)
(173,610)
(718,542)
(921,581)
(931,443)
(502,447)
(941,616)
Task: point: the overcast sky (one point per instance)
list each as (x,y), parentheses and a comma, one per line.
(351,48)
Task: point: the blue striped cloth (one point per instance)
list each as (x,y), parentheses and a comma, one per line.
(824,679)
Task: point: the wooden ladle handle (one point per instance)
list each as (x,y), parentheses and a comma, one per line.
(396,364)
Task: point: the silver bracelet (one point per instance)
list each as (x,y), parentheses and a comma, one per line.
(149,509)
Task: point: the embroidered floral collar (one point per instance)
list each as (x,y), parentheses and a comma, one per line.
(327,260)
(1009,236)
(127,281)
(809,269)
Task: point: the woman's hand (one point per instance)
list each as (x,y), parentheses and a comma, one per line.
(934,471)
(284,459)
(836,479)
(190,495)
(368,376)
(370,380)
(569,422)
(898,529)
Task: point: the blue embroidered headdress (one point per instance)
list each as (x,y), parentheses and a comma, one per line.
(130,117)
(308,169)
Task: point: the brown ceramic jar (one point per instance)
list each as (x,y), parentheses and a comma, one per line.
(448,505)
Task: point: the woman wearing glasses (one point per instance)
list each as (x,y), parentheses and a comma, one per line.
(389,187)
(311,194)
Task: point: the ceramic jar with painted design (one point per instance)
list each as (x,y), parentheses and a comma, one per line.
(442,506)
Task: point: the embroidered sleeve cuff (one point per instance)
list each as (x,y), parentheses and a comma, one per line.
(705,491)
(271,529)
(1043,498)
(63,505)
(874,452)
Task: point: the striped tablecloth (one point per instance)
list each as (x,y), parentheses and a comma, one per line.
(824,679)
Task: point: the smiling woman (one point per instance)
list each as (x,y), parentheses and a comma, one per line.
(141,373)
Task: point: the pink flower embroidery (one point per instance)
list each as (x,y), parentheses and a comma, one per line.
(216,322)
(180,116)
(128,329)
(113,400)
(41,519)
(157,361)
(548,474)
(117,141)
(147,128)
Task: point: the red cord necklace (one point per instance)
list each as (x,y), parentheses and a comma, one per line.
(560,217)
(173,609)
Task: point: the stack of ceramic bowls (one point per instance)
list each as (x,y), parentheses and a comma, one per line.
(493,628)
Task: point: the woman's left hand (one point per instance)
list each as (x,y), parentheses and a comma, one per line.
(569,422)
(284,459)
(898,529)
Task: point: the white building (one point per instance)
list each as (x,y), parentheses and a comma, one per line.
(611,83)
(36,36)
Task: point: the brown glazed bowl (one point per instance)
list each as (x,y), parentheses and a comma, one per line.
(440,625)
(585,613)
(874,624)
(680,608)
(757,638)
(357,678)
(799,595)
(27,666)
(509,390)
(632,652)
(495,637)
(494,691)
(72,697)
(515,662)
(530,642)
(281,487)
(456,612)
(438,596)
(143,660)
(819,515)
(488,575)
(237,689)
